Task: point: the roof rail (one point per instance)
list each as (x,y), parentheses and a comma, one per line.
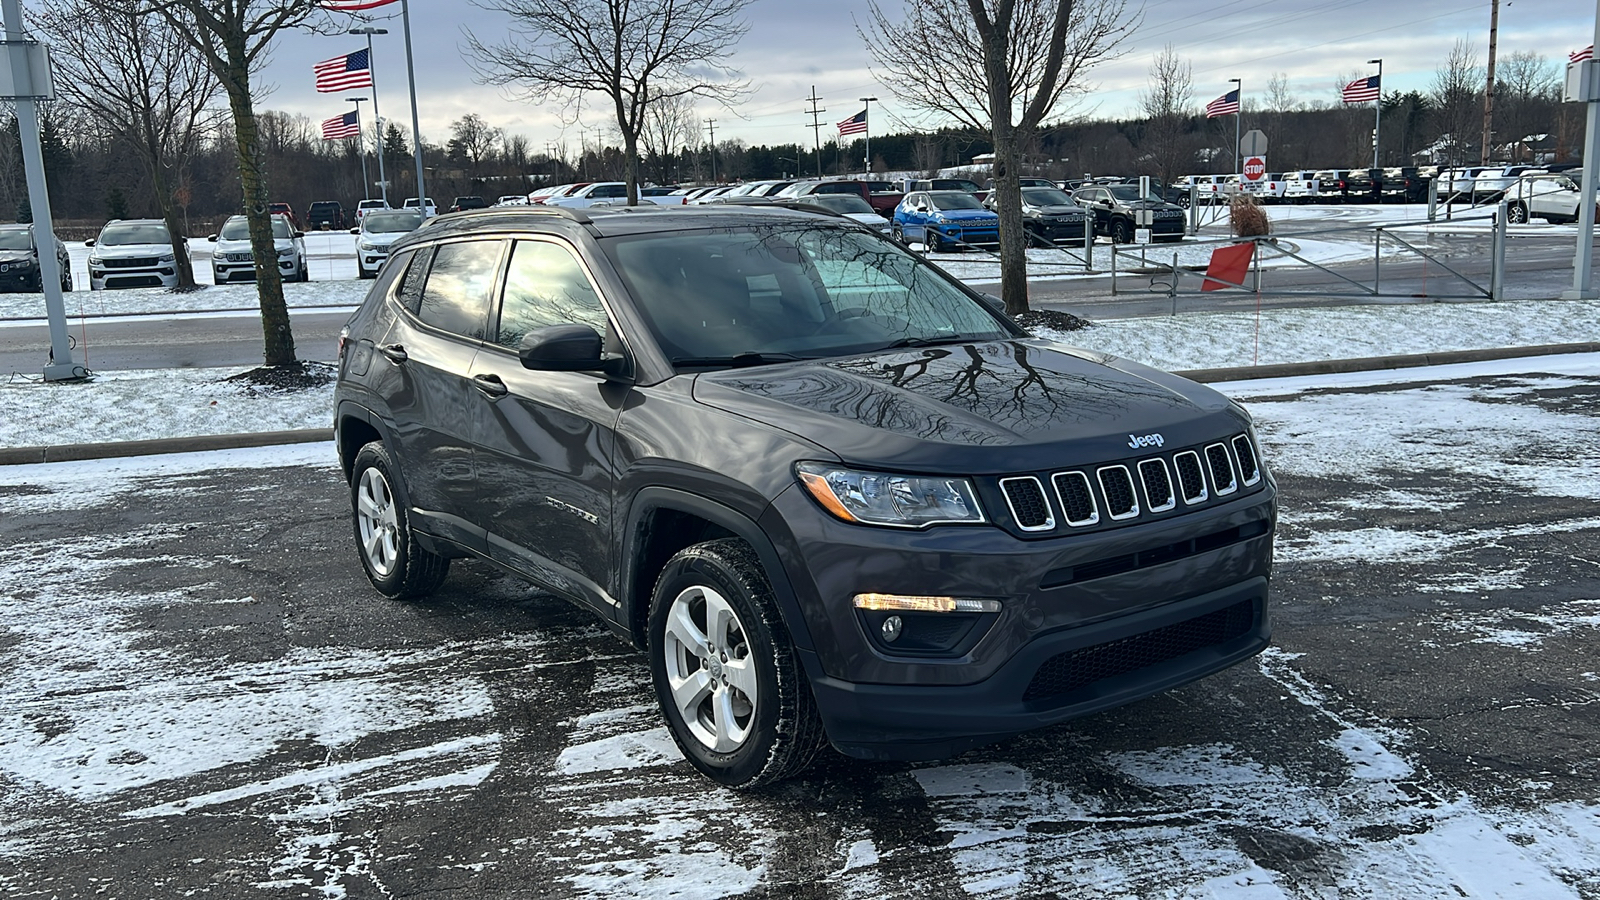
(576,215)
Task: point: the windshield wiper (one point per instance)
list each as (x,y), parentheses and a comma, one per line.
(929,341)
(738,360)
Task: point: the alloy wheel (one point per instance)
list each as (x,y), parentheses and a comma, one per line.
(380,526)
(710,671)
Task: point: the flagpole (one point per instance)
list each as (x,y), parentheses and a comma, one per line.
(361,138)
(416,127)
(1238,114)
(867,135)
(1377,116)
(377,118)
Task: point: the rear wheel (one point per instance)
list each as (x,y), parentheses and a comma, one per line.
(726,675)
(394,562)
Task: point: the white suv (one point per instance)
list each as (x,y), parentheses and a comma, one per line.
(377,232)
(1553,198)
(233,258)
(133,253)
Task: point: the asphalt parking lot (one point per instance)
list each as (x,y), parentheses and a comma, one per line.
(205,698)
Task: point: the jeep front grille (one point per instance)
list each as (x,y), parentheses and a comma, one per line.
(1190,478)
(1029,506)
(1126,491)
(1077,498)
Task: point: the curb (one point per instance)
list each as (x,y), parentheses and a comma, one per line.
(10,456)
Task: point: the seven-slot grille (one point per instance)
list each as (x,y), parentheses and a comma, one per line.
(1125,491)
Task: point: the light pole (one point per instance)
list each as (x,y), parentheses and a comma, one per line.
(416,127)
(366,188)
(1237,114)
(377,119)
(1377,119)
(867,135)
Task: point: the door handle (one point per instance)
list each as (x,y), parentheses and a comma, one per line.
(491,386)
(395,352)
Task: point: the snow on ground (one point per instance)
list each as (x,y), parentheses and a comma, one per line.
(141,404)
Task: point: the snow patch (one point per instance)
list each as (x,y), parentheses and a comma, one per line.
(624,751)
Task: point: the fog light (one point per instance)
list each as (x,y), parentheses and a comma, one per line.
(891,628)
(904,603)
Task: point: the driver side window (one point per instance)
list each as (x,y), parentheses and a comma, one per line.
(546,286)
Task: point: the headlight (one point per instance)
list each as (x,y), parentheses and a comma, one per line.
(881,498)
(285,253)
(366,246)
(168,257)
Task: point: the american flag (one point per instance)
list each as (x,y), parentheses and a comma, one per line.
(340,127)
(1226,105)
(343,73)
(353,5)
(1581,55)
(856,124)
(1362,90)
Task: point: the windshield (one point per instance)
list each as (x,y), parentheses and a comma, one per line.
(120,235)
(1046,197)
(16,239)
(390,222)
(954,200)
(840,203)
(237,228)
(791,291)
(1129,192)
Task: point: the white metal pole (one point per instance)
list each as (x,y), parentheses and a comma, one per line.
(1238,114)
(377,118)
(1583,261)
(61,366)
(416,127)
(361,139)
(1377,116)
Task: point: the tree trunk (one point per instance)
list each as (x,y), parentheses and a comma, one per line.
(1004,183)
(169,212)
(630,152)
(277,336)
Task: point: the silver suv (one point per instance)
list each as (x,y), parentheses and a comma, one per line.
(233,257)
(133,253)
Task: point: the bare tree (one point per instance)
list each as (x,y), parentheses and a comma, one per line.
(232,37)
(1006,66)
(1457,104)
(669,124)
(134,74)
(473,139)
(631,52)
(1167,105)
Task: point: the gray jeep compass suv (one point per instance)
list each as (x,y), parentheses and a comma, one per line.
(831,492)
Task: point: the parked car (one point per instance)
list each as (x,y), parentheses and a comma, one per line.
(134,253)
(19,261)
(1116,209)
(882,196)
(1456,184)
(1489,184)
(1269,189)
(945,220)
(1404,184)
(376,233)
(1552,197)
(1332,184)
(511,200)
(1049,215)
(916,530)
(605,193)
(430,212)
(232,259)
(1363,186)
(325,214)
(473,202)
(366,206)
(1208,189)
(848,205)
(284,209)
(1301,187)
(964,185)
(538,196)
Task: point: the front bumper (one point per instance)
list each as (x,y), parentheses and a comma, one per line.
(163,275)
(225,270)
(888,701)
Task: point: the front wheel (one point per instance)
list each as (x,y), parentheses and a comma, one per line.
(395,563)
(726,675)
(1517,214)
(1121,232)
(930,240)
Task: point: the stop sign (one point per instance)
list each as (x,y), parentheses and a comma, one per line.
(1255,168)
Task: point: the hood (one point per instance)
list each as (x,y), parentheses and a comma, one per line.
(16,255)
(966,215)
(243,246)
(1058,209)
(380,238)
(989,408)
(871,220)
(1148,204)
(129,251)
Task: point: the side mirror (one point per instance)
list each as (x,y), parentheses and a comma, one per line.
(299,234)
(567,348)
(355,231)
(212,239)
(994,302)
(89,242)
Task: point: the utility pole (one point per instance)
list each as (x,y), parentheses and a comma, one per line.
(816,126)
(1488,91)
(1377,118)
(712,124)
(1583,287)
(583,150)
(1237,115)
(377,118)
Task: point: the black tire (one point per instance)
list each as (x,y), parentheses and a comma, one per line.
(930,240)
(1517,214)
(1184,201)
(1121,232)
(363,273)
(782,729)
(411,571)
(897,234)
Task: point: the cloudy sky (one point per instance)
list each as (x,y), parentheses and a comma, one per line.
(792,46)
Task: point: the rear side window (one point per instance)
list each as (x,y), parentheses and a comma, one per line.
(455,298)
(410,293)
(545,286)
